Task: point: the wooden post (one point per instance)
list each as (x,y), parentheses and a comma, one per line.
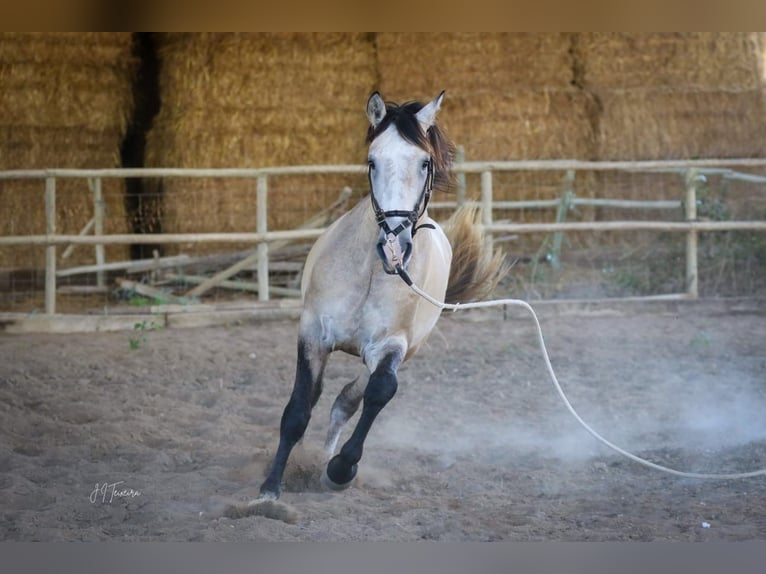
(98,228)
(486,203)
(461,186)
(50,250)
(692,279)
(565,204)
(263,246)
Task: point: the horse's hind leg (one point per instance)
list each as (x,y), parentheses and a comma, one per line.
(344,407)
(295,418)
(380,389)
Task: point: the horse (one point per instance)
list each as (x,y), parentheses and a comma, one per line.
(353,298)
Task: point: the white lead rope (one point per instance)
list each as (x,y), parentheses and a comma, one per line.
(586,426)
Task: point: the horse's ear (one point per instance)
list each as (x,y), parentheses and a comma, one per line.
(376,109)
(427,114)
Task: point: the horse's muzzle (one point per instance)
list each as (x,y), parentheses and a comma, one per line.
(395,251)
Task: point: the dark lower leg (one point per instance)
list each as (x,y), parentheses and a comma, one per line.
(381,388)
(295,418)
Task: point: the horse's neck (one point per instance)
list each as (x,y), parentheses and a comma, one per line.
(347,250)
(359,228)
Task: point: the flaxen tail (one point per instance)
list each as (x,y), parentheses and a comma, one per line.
(476,269)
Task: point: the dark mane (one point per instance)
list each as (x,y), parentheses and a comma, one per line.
(433,141)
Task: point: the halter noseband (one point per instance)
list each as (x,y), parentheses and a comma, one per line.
(411,216)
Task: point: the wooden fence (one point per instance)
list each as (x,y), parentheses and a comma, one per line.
(693,170)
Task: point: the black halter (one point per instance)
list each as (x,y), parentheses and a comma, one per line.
(411,216)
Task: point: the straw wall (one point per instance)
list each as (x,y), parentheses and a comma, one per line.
(676,95)
(669,124)
(64,103)
(509,96)
(417,64)
(672,96)
(255,100)
(682,61)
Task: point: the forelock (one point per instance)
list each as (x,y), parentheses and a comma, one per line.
(404,118)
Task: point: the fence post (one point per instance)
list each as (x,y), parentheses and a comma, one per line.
(98,226)
(690,205)
(461,185)
(565,204)
(50,250)
(263,246)
(486,203)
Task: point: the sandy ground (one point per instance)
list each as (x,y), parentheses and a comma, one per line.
(475,446)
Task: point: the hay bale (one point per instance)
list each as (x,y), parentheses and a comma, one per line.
(256,100)
(669,124)
(670,96)
(419,65)
(676,60)
(676,95)
(65,103)
(522,124)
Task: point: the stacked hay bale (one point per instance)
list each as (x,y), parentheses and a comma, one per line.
(509,96)
(257,100)
(673,96)
(676,95)
(65,102)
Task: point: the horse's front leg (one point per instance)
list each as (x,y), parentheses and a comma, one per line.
(312,359)
(380,389)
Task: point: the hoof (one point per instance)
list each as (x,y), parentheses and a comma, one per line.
(338,475)
(270,490)
(330,484)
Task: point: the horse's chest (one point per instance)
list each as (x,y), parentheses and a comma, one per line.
(351,327)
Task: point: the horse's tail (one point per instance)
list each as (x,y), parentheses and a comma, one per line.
(475,269)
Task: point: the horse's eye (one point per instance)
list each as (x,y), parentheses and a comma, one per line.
(426,164)
(371,164)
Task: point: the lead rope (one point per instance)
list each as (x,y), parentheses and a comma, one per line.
(519,303)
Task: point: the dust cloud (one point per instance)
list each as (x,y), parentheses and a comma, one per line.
(702,420)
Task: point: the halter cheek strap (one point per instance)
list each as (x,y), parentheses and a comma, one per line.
(411,216)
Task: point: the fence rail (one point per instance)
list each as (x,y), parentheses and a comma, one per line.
(692,170)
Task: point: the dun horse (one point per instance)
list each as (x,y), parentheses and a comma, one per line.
(353,299)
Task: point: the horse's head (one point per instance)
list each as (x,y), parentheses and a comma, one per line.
(408,157)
